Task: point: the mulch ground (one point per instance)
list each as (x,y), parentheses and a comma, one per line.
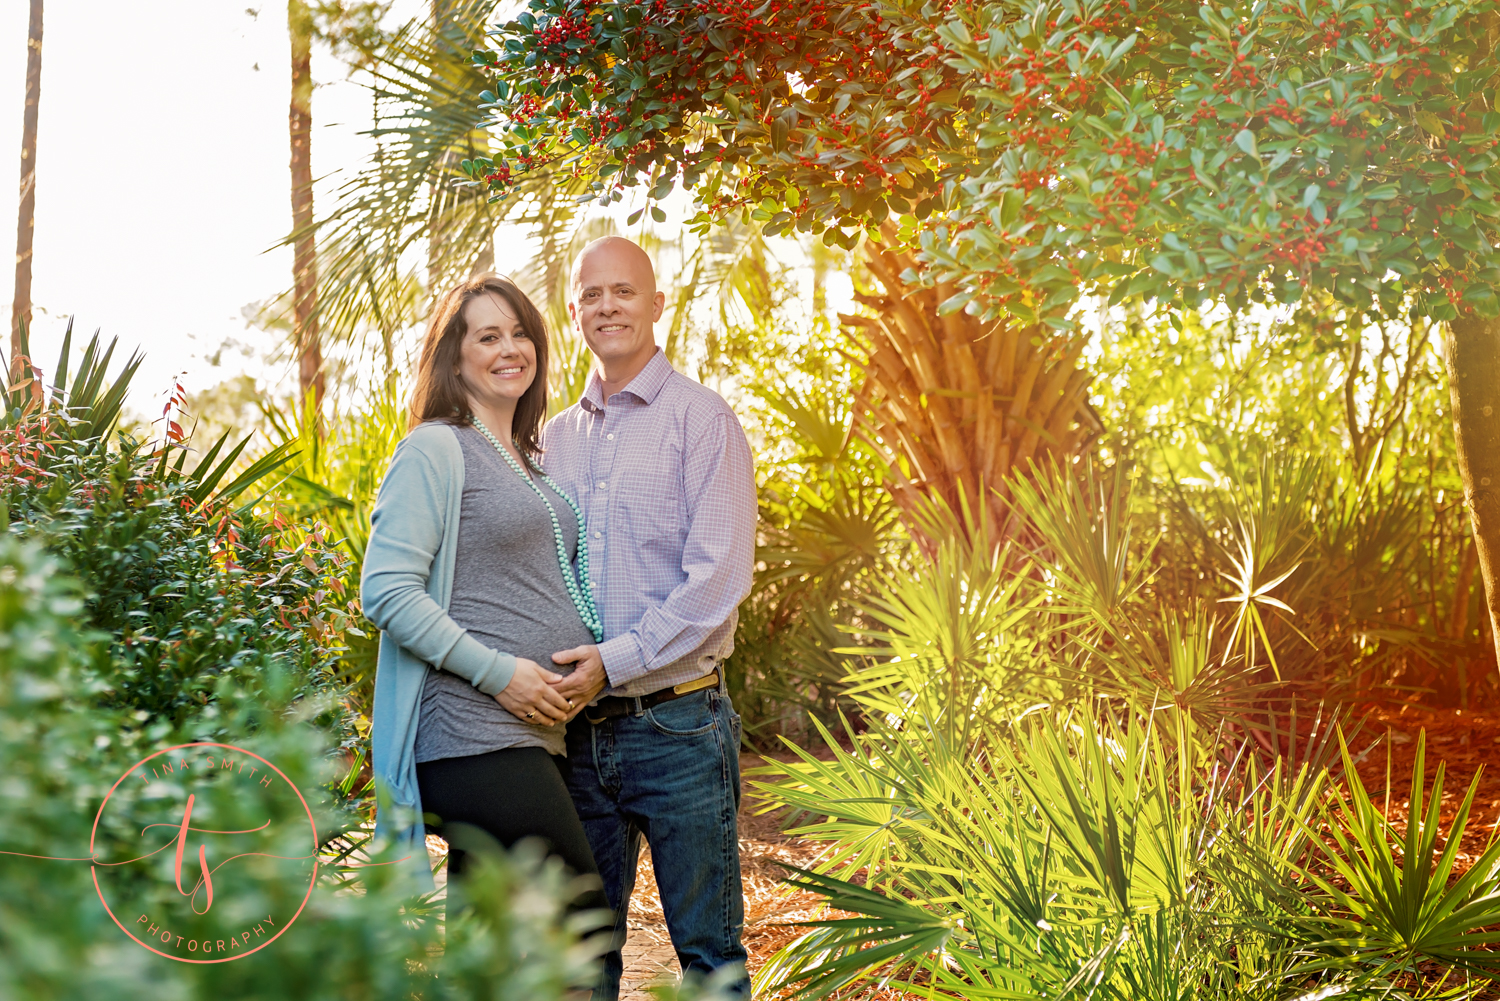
(1465,743)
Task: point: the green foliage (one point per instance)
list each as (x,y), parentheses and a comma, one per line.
(1094,854)
(947,645)
(828,534)
(324,504)
(61,750)
(187,587)
(188,592)
(1074,777)
(1300,445)
(1418,908)
(1036,150)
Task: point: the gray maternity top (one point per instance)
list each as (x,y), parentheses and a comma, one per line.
(508,592)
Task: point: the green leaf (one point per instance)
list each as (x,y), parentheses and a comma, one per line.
(954,303)
(1431,123)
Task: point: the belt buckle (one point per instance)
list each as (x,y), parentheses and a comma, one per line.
(697,684)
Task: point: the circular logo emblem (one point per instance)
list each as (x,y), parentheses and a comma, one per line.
(204,853)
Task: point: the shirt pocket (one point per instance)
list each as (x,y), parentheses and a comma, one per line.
(652,509)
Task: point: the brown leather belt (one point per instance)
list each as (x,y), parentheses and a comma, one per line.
(616,705)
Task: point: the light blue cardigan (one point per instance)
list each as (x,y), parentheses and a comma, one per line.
(405,589)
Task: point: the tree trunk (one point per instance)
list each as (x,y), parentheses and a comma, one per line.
(440,188)
(25,221)
(1473,354)
(304,247)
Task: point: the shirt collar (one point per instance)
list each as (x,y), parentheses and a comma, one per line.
(644,387)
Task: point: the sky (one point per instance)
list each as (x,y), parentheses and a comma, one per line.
(163,181)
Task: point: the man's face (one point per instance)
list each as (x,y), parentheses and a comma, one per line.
(615,302)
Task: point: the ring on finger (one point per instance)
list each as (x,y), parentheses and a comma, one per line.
(531,715)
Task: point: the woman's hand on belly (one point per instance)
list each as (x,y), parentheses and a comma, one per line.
(530,699)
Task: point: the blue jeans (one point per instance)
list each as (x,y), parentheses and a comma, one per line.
(672,774)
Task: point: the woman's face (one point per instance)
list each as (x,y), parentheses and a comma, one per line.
(496,361)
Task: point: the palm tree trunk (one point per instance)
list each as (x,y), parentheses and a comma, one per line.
(1473,356)
(25,222)
(957,406)
(304,247)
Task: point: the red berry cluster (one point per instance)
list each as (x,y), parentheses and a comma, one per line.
(556,31)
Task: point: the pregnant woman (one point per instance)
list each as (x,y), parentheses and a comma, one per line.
(470,575)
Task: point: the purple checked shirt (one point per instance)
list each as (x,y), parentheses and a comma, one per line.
(666,483)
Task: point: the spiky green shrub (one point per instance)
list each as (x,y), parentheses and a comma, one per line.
(828,533)
(1066,787)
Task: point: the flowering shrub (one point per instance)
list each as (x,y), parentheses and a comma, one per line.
(1037,149)
(188,589)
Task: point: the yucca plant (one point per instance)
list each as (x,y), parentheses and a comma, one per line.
(86,412)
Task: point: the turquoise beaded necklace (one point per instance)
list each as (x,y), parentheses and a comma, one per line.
(581,588)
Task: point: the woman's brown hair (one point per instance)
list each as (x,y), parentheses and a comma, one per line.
(440,394)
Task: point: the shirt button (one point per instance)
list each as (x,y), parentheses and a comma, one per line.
(602,485)
(610,437)
(598,535)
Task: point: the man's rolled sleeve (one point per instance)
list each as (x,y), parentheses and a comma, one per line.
(623,659)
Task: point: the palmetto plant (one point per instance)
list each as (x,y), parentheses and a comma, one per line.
(1080,858)
(1136,817)
(1069,861)
(828,535)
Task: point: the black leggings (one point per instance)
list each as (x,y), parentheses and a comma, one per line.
(510,794)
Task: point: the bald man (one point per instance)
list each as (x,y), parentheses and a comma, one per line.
(664,477)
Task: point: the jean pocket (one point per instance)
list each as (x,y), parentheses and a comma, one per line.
(688,716)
